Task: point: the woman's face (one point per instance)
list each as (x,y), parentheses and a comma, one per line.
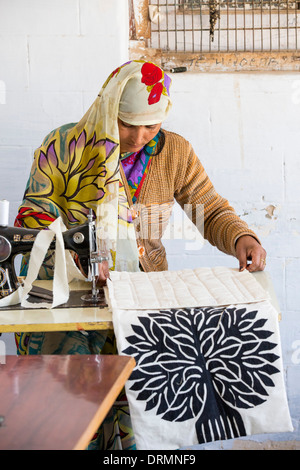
(133,138)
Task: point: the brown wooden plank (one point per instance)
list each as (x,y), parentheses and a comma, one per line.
(57,402)
(37,327)
(140,26)
(273,61)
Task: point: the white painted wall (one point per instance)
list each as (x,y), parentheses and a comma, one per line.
(54,57)
(244,128)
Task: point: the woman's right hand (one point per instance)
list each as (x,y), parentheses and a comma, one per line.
(103,273)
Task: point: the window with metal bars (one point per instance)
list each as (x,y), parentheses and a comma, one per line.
(224,25)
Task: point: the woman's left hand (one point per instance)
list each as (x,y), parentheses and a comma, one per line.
(247,248)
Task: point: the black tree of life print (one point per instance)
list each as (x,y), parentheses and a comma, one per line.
(202,363)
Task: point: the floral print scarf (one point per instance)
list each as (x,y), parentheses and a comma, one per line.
(136,166)
(77,166)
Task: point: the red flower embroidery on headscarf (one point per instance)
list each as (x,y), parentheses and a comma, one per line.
(150,73)
(155,93)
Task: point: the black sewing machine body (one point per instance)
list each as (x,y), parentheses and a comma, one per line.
(17,240)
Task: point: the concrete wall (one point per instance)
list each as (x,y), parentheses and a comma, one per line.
(244,128)
(54,57)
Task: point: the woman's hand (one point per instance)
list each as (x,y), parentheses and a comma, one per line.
(247,248)
(103,273)
(103,270)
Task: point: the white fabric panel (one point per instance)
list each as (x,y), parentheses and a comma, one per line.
(185,288)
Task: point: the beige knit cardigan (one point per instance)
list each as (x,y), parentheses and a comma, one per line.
(176,173)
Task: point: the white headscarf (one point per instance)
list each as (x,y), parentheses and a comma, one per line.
(145,99)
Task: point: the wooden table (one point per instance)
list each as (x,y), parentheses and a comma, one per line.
(57,402)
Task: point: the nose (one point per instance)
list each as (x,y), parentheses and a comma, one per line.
(138,136)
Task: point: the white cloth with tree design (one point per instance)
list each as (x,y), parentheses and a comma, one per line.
(203,373)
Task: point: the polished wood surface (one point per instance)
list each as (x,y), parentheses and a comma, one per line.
(57,402)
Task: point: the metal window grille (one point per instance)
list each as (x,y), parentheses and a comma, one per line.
(224,25)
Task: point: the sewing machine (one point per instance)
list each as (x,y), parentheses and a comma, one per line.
(81,240)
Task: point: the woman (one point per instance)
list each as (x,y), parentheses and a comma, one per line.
(77,169)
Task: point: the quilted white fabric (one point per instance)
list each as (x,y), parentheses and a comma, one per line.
(185,288)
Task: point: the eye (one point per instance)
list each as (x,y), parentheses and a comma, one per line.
(124,124)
